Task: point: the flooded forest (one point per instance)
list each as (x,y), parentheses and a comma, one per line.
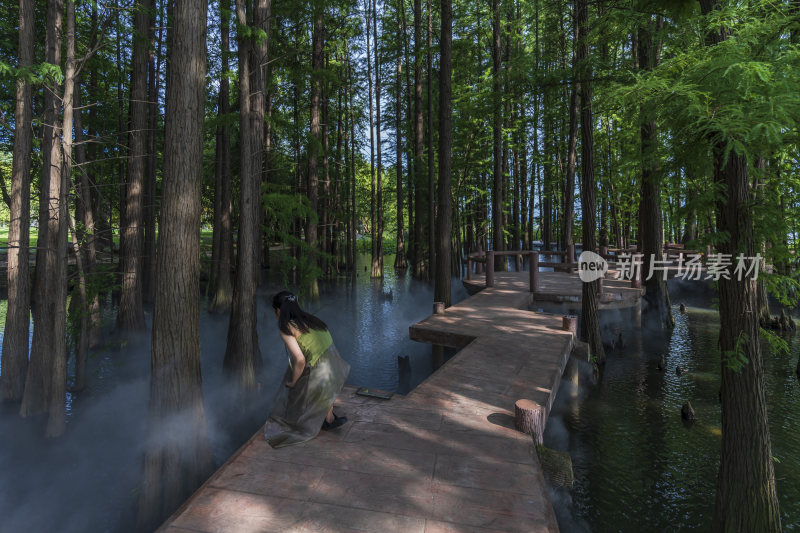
(167,166)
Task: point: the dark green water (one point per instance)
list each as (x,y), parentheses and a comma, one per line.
(637,466)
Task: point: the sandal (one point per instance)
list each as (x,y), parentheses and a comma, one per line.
(337,421)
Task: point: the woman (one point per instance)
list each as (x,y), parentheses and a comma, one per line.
(316,375)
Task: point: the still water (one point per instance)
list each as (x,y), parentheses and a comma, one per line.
(88,479)
(637,465)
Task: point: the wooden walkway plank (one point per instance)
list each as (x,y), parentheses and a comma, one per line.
(444,458)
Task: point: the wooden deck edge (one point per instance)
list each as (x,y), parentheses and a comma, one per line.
(185,505)
(559,375)
(217,472)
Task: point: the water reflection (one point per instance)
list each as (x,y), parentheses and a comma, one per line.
(636,463)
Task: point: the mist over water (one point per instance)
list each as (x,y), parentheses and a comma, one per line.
(637,465)
(88,479)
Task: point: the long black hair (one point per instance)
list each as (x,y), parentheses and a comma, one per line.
(291,313)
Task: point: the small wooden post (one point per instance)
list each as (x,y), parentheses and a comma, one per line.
(469,269)
(518,261)
(478,265)
(490,268)
(437,350)
(570,323)
(534,273)
(529,417)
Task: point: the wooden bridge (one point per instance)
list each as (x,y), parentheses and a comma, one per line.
(444,458)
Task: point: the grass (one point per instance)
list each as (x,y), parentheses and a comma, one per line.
(4,237)
(206,237)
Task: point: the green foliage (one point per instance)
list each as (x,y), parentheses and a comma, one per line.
(777,345)
(282,209)
(735,359)
(785,289)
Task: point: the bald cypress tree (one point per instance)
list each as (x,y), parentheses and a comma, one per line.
(590,298)
(175,467)
(130,315)
(15,334)
(445,214)
(746,498)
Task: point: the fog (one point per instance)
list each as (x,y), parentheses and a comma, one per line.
(89,479)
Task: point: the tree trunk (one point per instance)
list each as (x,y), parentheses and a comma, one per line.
(746,497)
(572,152)
(15,334)
(368,12)
(430,189)
(420,185)
(150,205)
(82,352)
(377,257)
(175,467)
(122,129)
(523,176)
(130,315)
(349,157)
(316,138)
(444,223)
(51,165)
(327,204)
(267,170)
(45,383)
(590,321)
(657,311)
(400,257)
(223,228)
(497,196)
(86,235)
(242,354)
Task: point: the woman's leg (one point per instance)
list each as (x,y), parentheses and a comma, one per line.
(329,417)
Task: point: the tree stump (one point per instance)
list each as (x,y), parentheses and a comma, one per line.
(529,417)
(687,413)
(786,323)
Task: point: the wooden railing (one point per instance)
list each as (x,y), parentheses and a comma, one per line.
(486,259)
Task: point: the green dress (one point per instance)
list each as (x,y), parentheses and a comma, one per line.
(297,413)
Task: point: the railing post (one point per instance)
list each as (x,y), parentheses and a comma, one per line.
(534,271)
(478,266)
(489,268)
(570,323)
(469,269)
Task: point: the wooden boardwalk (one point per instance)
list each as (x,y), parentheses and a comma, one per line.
(444,458)
(562,287)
